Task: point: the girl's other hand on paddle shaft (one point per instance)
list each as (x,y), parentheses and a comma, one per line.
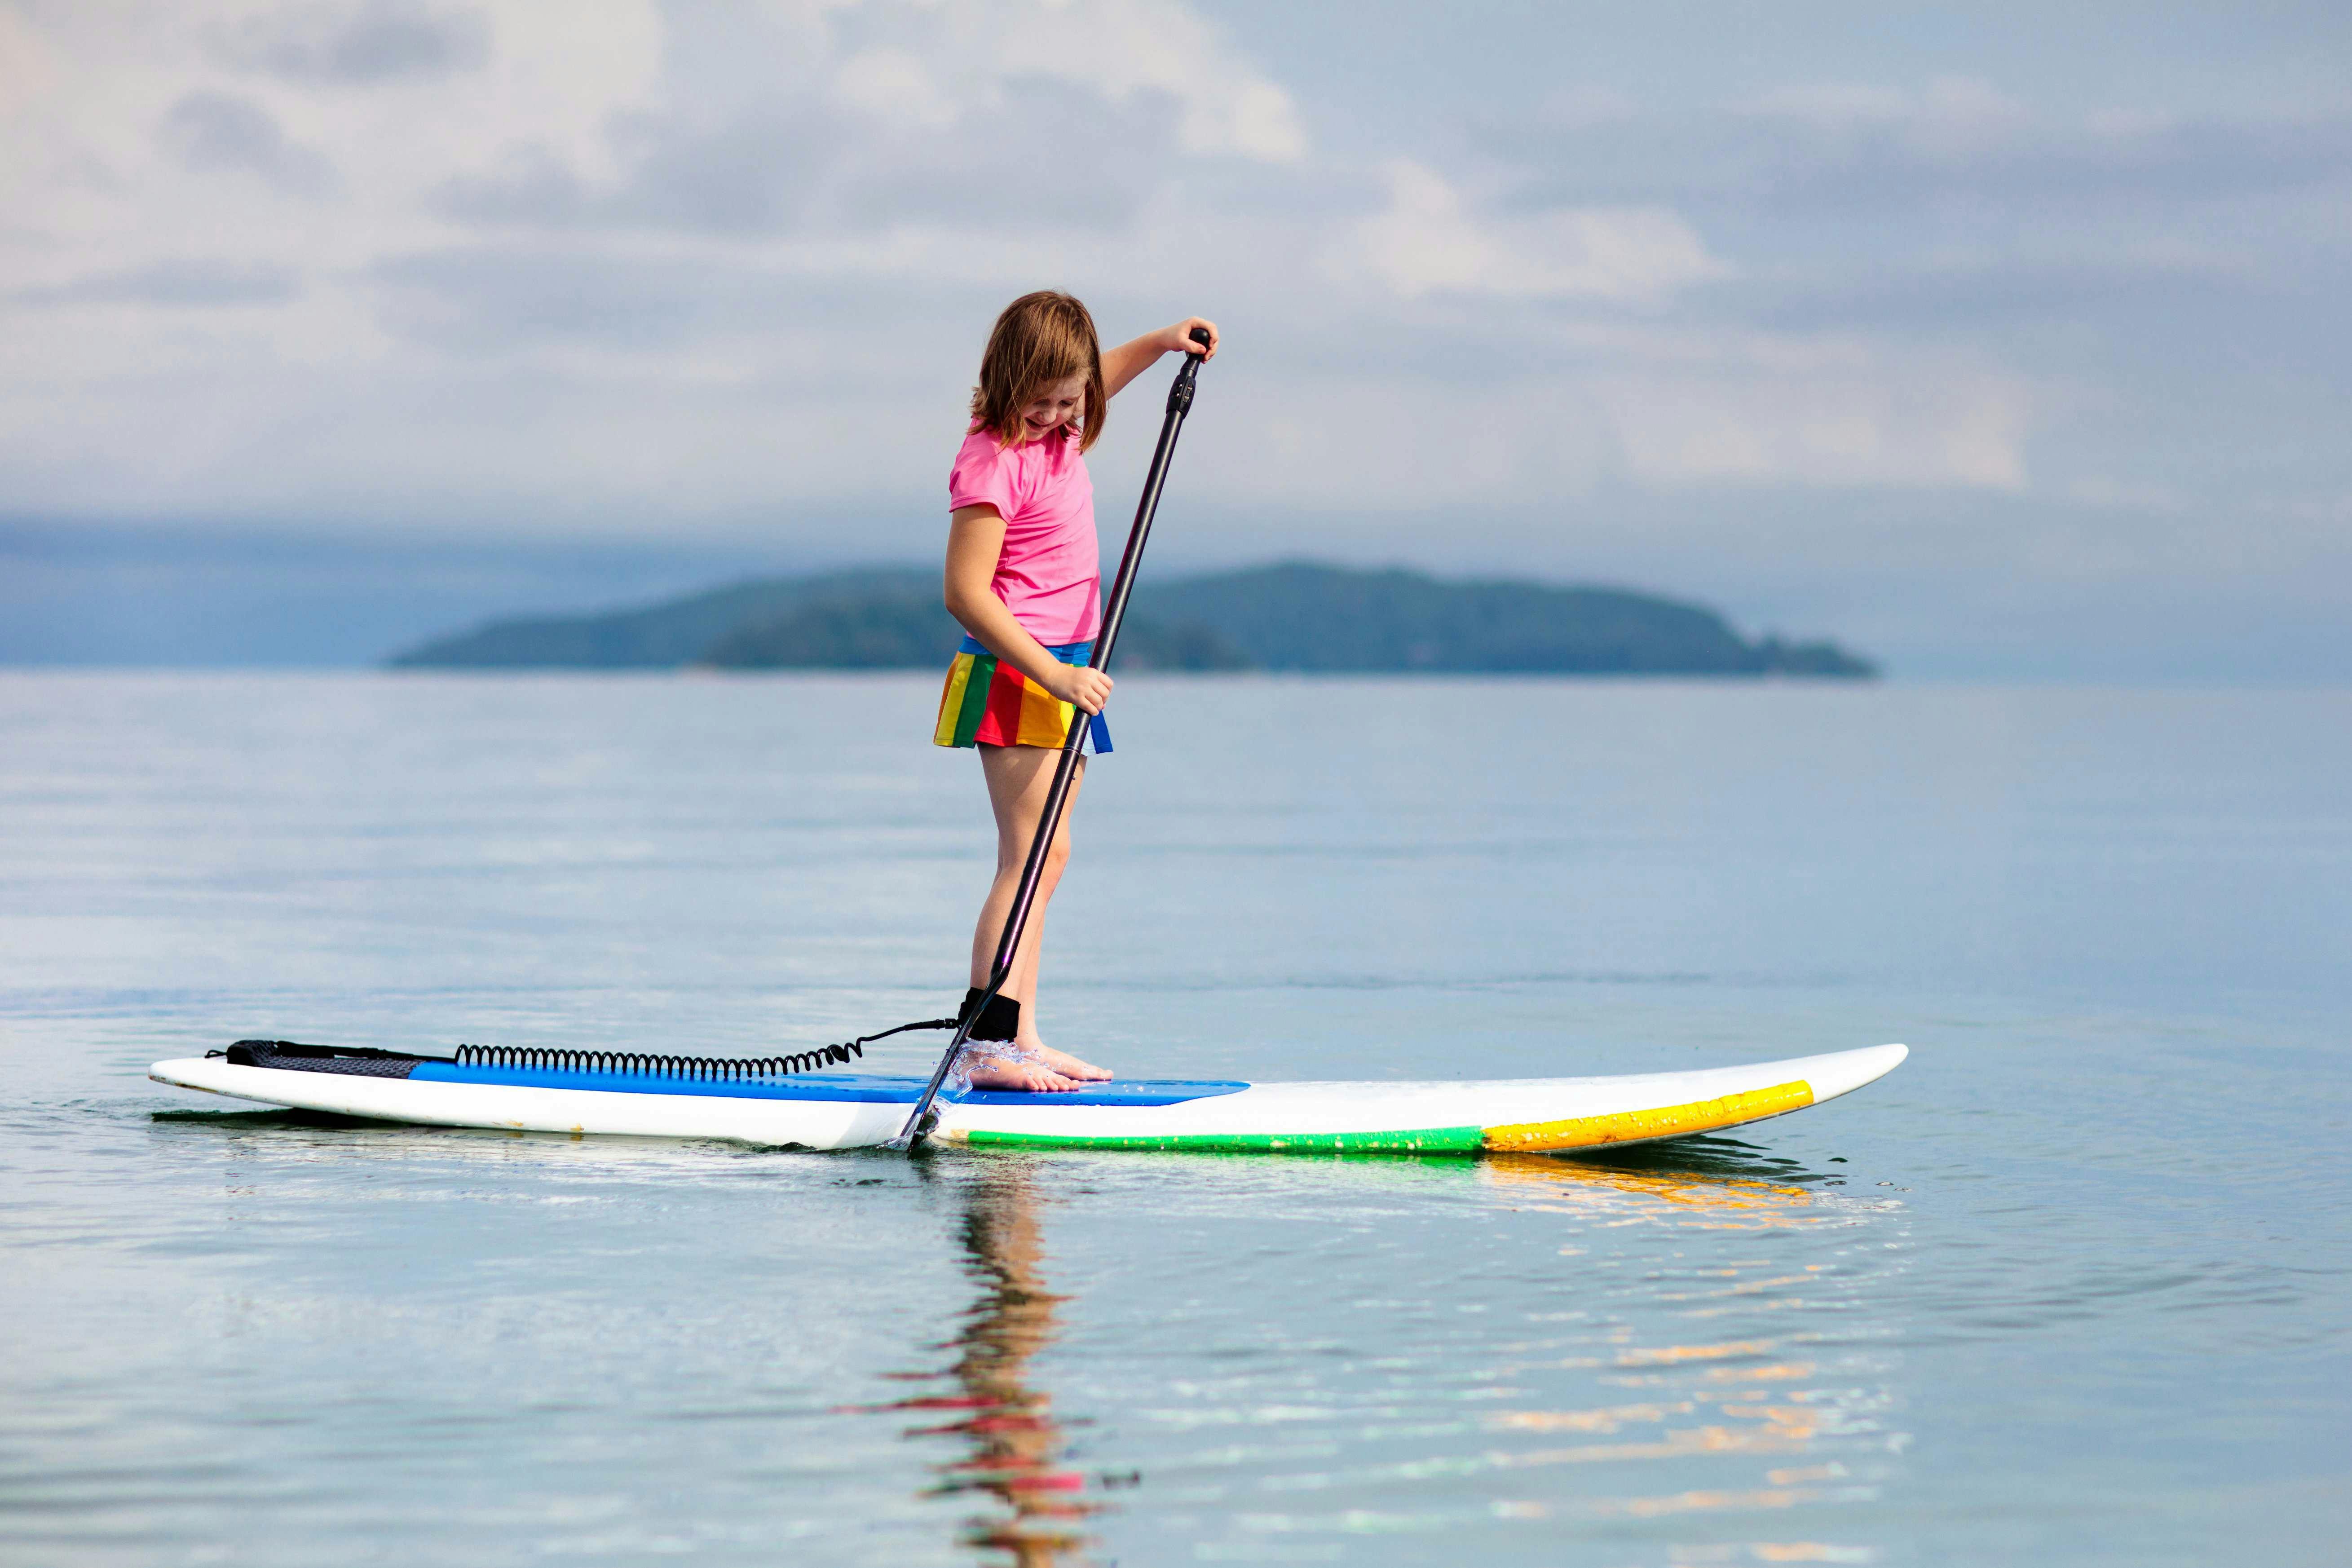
(1089,688)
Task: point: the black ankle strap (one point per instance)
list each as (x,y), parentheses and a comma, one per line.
(1000,1020)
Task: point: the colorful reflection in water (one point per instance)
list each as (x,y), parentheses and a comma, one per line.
(1671,1352)
(1680,1351)
(1785,1418)
(1651,1186)
(1013,1443)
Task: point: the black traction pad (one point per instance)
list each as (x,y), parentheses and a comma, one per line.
(356,1061)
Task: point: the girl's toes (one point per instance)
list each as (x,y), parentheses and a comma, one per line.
(1069,1066)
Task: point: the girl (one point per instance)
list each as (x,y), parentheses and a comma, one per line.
(1021,578)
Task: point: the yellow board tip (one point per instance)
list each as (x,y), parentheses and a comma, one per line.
(1640,1126)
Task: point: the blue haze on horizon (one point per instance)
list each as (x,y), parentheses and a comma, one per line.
(1992,342)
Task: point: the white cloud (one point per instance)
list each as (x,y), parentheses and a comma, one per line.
(930,64)
(1122,47)
(1428,241)
(1747,423)
(895,87)
(1256,120)
(142,138)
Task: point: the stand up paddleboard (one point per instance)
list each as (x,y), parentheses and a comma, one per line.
(780,1102)
(854,1110)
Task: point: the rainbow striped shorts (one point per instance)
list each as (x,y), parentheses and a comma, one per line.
(989,703)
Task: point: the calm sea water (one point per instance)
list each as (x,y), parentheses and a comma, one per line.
(2073,1286)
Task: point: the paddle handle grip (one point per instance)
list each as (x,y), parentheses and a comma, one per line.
(1180,394)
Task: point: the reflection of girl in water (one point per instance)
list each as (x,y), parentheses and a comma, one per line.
(1016,1444)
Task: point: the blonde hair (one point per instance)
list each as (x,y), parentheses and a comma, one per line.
(1040,338)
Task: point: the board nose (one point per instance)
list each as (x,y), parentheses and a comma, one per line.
(1849,1071)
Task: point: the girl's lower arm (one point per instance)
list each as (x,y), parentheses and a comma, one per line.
(992,626)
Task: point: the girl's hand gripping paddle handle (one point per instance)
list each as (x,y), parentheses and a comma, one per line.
(921,1120)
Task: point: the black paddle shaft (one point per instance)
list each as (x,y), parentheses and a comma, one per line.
(1180,403)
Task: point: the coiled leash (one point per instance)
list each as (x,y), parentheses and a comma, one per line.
(365,1061)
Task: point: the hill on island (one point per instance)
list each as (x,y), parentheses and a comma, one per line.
(1294,615)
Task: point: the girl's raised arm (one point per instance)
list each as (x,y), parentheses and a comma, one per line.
(1129,359)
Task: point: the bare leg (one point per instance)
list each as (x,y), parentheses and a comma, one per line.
(1019,779)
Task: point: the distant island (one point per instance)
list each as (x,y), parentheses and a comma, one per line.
(1293,616)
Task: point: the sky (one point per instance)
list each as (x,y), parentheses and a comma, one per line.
(1999,340)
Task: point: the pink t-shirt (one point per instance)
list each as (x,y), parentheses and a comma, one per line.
(1049,572)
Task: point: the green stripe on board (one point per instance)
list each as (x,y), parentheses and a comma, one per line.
(975,697)
(1411,1140)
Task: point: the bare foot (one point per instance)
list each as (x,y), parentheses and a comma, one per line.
(1013,1072)
(1063,1062)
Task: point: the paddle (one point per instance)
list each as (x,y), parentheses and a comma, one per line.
(1180,403)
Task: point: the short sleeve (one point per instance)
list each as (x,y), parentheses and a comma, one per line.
(982,476)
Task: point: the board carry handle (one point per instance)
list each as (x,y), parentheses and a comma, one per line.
(922,1119)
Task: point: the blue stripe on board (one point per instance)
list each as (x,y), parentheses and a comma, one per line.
(1135,1092)
(833,1086)
(863,1088)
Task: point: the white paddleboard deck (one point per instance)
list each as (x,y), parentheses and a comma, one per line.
(847,1110)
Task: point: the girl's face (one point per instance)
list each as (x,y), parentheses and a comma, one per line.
(1056,404)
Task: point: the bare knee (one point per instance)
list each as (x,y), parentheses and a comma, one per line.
(1012,856)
